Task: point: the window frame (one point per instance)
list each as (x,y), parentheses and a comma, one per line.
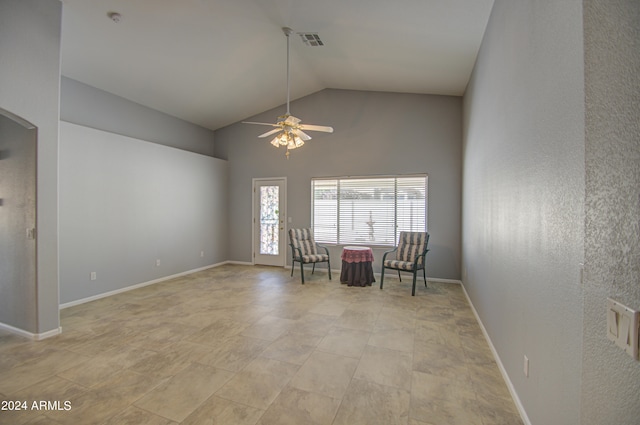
(338,242)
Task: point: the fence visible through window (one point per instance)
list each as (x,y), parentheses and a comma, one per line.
(368,210)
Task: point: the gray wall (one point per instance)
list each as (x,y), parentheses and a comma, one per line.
(30,88)
(86,105)
(523,199)
(375,133)
(135,186)
(611,378)
(124,203)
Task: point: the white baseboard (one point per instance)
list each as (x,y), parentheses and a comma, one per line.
(240,263)
(440,280)
(136,286)
(30,335)
(503,371)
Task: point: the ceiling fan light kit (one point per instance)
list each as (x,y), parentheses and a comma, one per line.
(290,132)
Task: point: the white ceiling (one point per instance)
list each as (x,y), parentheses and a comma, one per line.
(216,62)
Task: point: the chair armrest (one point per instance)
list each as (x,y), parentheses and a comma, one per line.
(384,257)
(323,247)
(293,251)
(423,255)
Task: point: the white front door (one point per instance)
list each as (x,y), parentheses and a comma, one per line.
(269,206)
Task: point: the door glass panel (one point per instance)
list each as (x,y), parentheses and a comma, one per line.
(269,217)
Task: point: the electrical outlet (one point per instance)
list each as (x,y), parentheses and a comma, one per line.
(201,253)
(157,262)
(526,366)
(94,275)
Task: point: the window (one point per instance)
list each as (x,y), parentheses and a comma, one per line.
(368,210)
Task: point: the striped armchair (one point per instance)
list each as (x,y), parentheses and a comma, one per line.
(305,250)
(409,256)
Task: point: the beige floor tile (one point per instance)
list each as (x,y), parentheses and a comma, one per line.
(427,387)
(393,339)
(37,369)
(498,411)
(111,339)
(249,313)
(357,320)
(290,310)
(429,331)
(218,330)
(345,342)
(258,384)
(269,328)
(440,360)
(218,411)
(313,324)
(234,353)
(102,366)
(325,373)
(476,350)
(295,407)
(164,334)
(396,318)
(292,347)
(180,395)
(385,367)
(373,404)
(170,361)
(134,416)
(330,308)
(51,389)
(435,312)
(438,412)
(107,399)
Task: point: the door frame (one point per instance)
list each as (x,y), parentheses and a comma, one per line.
(254,183)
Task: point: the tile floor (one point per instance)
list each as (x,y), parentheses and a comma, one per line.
(243,345)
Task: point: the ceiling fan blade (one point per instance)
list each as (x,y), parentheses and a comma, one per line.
(270,132)
(301,134)
(260,123)
(312,127)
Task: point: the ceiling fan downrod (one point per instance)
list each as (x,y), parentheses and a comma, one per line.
(288,31)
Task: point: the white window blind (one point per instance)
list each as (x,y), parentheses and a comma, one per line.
(368,210)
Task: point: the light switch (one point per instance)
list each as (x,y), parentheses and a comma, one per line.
(623,325)
(612,321)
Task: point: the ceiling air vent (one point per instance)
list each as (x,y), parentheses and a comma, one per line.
(311,39)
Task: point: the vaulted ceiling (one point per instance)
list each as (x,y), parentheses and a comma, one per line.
(216,62)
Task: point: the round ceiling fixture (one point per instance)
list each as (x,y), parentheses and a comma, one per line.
(114,16)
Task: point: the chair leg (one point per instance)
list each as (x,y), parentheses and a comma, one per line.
(293,266)
(424,275)
(399,277)
(314,268)
(329,268)
(302,272)
(382,277)
(413,290)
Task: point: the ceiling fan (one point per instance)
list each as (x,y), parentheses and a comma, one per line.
(289,129)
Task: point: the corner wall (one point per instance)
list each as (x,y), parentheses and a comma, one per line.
(125,203)
(30,89)
(136,186)
(611,378)
(523,200)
